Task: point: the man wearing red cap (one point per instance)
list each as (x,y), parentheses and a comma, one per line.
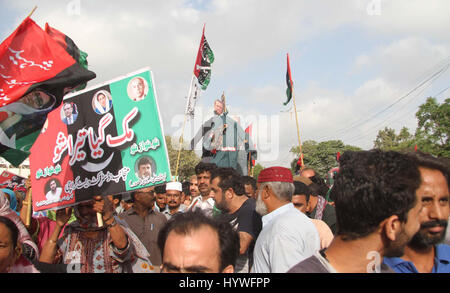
(288,236)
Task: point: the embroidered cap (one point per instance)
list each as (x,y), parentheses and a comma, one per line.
(275,174)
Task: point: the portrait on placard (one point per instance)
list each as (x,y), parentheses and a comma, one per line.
(53,190)
(145,167)
(137,89)
(101,102)
(69,113)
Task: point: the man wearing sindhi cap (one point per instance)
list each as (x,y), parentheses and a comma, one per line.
(288,236)
(174,199)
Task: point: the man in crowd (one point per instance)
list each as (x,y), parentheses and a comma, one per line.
(161,199)
(193,186)
(250,186)
(377,210)
(424,254)
(288,236)
(300,201)
(204,201)
(145,222)
(238,210)
(318,208)
(89,248)
(194,243)
(174,199)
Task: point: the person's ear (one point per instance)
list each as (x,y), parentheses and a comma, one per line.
(391,227)
(229,193)
(266,192)
(229,269)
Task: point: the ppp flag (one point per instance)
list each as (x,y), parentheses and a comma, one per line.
(35,73)
(202,74)
(106,139)
(288,82)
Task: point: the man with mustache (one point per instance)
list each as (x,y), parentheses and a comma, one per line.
(205,200)
(174,199)
(424,254)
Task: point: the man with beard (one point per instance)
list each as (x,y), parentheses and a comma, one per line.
(174,199)
(238,210)
(204,201)
(424,254)
(377,210)
(288,236)
(145,222)
(54,193)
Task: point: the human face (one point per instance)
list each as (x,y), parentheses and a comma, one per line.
(68,110)
(261,207)
(249,191)
(396,248)
(138,87)
(218,107)
(204,183)
(434,217)
(173,198)
(145,197)
(193,187)
(161,200)
(87,212)
(7,253)
(53,186)
(145,170)
(299,201)
(102,100)
(219,195)
(36,99)
(196,252)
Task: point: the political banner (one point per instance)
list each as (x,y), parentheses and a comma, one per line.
(12,181)
(104,140)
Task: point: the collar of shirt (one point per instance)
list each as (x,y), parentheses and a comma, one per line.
(442,257)
(272,215)
(132,211)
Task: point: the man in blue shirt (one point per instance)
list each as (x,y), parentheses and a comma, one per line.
(423,254)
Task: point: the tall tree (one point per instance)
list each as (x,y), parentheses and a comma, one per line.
(433,129)
(321,156)
(188,160)
(387,139)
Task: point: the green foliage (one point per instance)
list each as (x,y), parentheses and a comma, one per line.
(321,156)
(256,170)
(188,160)
(387,139)
(433,129)
(431,136)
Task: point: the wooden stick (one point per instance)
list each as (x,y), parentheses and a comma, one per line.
(99,220)
(29,209)
(298,128)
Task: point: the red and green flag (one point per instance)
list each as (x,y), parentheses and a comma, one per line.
(205,57)
(36,71)
(288,82)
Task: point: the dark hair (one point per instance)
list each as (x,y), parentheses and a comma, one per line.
(144,161)
(302,189)
(249,181)
(372,186)
(117,196)
(160,189)
(186,223)
(204,167)
(185,187)
(428,161)
(321,187)
(12,229)
(229,178)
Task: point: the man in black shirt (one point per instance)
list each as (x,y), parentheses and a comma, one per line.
(237,209)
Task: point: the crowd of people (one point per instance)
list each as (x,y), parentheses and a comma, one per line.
(385,212)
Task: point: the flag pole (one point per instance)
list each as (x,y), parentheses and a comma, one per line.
(32,11)
(182,131)
(296,121)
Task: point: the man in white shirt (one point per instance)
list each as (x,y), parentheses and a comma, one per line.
(54,193)
(205,201)
(288,236)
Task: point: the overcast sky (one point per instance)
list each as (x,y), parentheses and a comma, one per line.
(351,60)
